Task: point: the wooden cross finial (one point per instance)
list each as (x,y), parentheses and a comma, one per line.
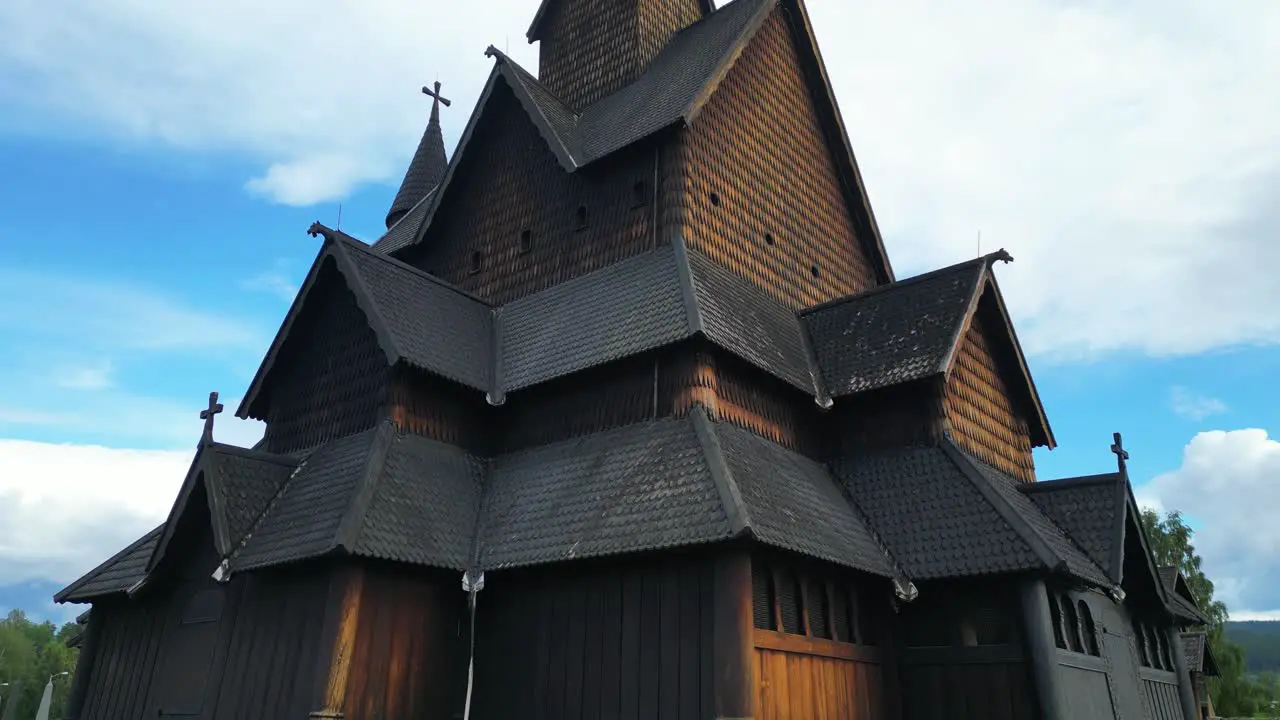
(1122,455)
(435,93)
(207,414)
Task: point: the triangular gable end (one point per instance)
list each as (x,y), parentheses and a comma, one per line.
(1135,541)
(332,257)
(831,120)
(196,484)
(988,309)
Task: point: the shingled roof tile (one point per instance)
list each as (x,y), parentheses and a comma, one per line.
(795,503)
(115,575)
(424,506)
(618,311)
(1090,509)
(627,490)
(945,515)
(895,333)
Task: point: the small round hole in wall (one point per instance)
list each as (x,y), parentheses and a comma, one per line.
(526,241)
(814,269)
(768,239)
(715,199)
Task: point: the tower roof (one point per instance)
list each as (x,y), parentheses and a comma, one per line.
(428,166)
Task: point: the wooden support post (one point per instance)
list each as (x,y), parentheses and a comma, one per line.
(733,651)
(1041,652)
(84,666)
(342,616)
(1189,706)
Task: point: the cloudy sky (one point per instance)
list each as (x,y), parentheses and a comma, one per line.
(161,160)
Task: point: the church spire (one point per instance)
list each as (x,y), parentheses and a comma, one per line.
(428,166)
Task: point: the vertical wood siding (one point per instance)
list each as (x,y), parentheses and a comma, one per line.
(1160,689)
(132,634)
(756,165)
(980,413)
(509,182)
(624,639)
(430,406)
(406,641)
(331,381)
(817,685)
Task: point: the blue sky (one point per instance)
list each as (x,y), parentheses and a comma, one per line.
(153,215)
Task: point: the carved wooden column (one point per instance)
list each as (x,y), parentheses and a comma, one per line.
(1041,652)
(733,650)
(342,617)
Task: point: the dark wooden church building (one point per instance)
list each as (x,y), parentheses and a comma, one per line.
(627,416)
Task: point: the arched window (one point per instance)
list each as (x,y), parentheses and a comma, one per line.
(526,240)
(1088,630)
(1140,640)
(1071,624)
(1162,642)
(1055,616)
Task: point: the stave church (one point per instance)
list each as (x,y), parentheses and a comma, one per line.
(628,416)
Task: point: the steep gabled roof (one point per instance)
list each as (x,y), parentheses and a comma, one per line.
(911,330)
(1182,602)
(1100,513)
(672,91)
(238,484)
(416,317)
(1092,511)
(116,574)
(944,514)
(405,229)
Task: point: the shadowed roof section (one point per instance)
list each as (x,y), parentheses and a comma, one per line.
(667,483)
(911,330)
(943,514)
(115,575)
(1091,510)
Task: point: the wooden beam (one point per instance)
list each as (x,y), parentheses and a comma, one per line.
(1041,652)
(342,617)
(733,647)
(1185,692)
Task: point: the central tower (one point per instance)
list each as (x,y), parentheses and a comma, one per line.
(592,48)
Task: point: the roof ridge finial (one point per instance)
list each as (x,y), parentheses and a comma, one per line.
(207,415)
(437,100)
(1000,255)
(1122,455)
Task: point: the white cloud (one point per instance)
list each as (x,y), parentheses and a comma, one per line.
(86,377)
(66,508)
(91,314)
(1229,483)
(1124,153)
(276,282)
(1188,405)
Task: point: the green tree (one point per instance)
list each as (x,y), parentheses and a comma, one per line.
(1234,692)
(29,653)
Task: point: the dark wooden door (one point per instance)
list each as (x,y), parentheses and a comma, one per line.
(182,679)
(1126,687)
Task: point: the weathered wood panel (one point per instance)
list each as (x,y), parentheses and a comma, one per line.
(981,414)
(1083,689)
(272,653)
(616,639)
(401,664)
(966,687)
(132,634)
(760,192)
(509,182)
(895,417)
(818,679)
(331,378)
(1160,689)
(430,406)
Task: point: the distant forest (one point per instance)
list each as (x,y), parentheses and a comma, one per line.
(1261,643)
